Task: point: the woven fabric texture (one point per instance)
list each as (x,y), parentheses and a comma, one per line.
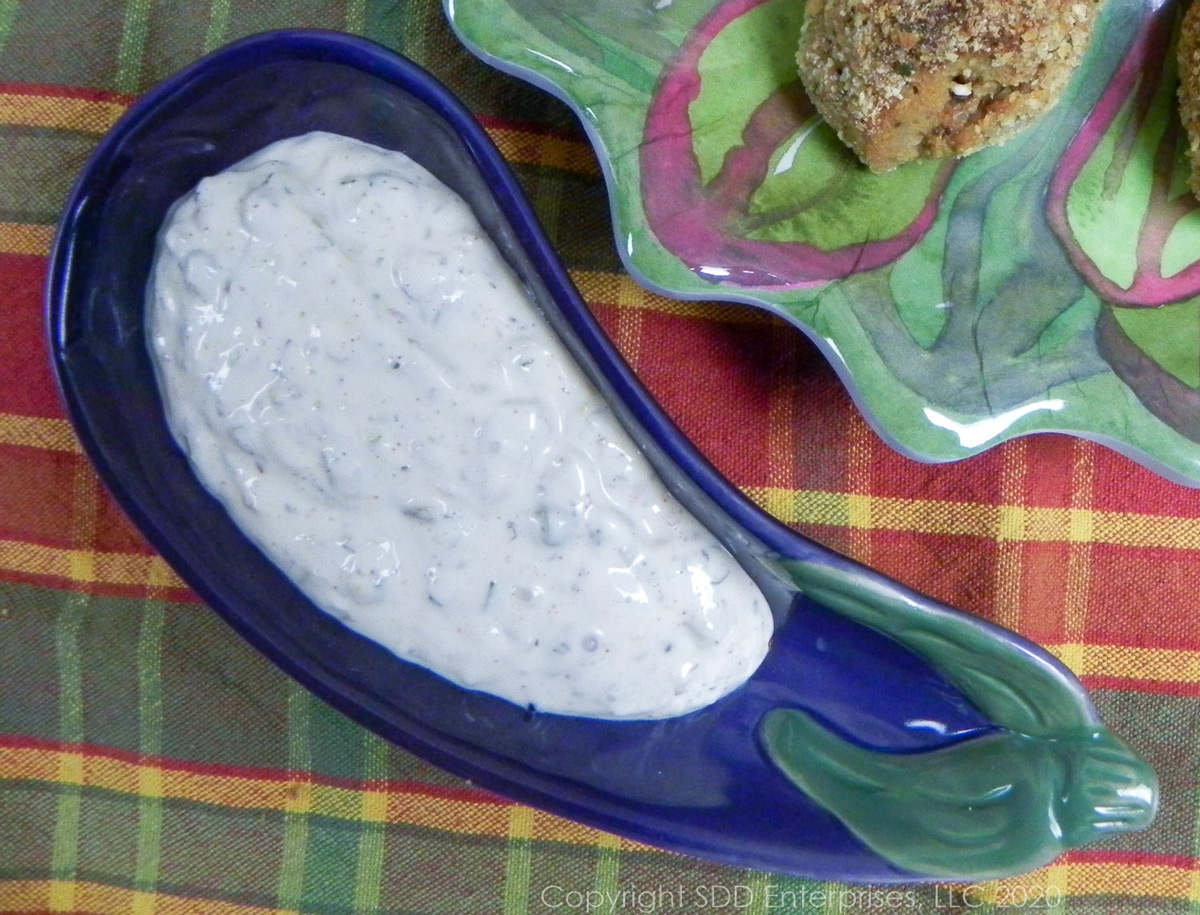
(151,762)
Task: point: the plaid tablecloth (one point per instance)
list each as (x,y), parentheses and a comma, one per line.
(151,762)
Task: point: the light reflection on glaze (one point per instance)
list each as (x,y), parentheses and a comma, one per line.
(357,376)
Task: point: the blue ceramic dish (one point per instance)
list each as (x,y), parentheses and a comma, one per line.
(865,680)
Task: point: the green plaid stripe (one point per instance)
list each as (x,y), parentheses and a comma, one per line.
(150,812)
(64,851)
(8,12)
(295,836)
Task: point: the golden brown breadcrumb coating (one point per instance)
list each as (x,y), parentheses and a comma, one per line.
(909,79)
(1188,53)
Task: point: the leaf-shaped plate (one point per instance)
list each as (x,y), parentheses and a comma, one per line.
(1050,284)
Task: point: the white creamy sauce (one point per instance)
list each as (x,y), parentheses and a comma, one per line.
(354,371)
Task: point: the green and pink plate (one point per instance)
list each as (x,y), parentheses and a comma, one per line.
(1051,284)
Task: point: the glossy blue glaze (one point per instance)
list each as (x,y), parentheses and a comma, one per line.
(699,784)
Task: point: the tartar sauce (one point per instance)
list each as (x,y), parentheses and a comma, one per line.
(355,373)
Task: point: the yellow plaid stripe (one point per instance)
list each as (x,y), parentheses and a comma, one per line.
(1078,878)
(59,112)
(621,290)
(482,818)
(1147,880)
(38,432)
(19,238)
(87,566)
(525,147)
(998,522)
(994,522)
(1155,665)
(83,896)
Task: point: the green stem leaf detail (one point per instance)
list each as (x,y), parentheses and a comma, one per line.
(983,808)
(1050,778)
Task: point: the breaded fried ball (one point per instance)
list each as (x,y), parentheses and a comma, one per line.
(911,79)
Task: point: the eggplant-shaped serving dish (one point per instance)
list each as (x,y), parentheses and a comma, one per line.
(886,738)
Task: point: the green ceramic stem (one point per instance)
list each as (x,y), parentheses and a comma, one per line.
(1051,779)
